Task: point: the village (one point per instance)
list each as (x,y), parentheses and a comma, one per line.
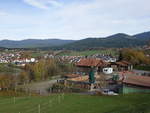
(93,72)
(97,73)
(47,79)
(110,78)
(15,58)
(74,56)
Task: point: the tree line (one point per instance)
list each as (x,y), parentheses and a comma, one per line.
(44,69)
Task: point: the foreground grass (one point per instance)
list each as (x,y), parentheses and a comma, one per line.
(75,103)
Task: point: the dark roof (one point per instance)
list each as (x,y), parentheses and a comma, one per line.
(123,63)
(137,80)
(91,62)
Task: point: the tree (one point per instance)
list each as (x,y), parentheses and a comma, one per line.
(134,56)
(24,77)
(120,56)
(52,67)
(29,69)
(6,81)
(39,70)
(45,69)
(148,43)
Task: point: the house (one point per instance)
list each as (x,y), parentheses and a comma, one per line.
(87,69)
(108,70)
(122,66)
(84,65)
(110,59)
(135,84)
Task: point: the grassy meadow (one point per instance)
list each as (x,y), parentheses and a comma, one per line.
(88,52)
(75,103)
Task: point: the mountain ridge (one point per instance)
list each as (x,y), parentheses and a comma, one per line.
(33,43)
(118,40)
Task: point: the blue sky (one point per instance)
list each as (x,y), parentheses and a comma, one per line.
(72,19)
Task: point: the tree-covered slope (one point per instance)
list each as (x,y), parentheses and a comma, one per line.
(143,36)
(119,40)
(33,43)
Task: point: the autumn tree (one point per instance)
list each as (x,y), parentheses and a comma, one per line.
(134,56)
(45,69)
(29,69)
(39,70)
(24,77)
(6,81)
(52,67)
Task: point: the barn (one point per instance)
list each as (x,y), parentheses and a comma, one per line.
(135,84)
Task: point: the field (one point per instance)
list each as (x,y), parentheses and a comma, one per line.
(89,52)
(76,103)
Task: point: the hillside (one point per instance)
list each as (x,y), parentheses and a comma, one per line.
(76,103)
(119,40)
(143,36)
(33,43)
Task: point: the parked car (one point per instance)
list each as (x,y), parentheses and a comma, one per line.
(108,92)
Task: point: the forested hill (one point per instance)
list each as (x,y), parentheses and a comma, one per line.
(143,36)
(119,40)
(33,43)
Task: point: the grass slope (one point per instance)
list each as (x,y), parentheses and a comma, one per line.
(75,103)
(88,52)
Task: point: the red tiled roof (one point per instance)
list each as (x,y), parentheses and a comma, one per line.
(91,62)
(137,80)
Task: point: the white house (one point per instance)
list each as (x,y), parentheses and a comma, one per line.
(108,70)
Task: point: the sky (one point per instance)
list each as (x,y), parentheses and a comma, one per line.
(72,19)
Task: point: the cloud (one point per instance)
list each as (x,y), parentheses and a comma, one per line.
(2,13)
(43,4)
(77,19)
(104,17)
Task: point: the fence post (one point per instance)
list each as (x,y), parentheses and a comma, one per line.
(40,92)
(50,102)
(14,100)
(59,99)
(39,109)
(63,95)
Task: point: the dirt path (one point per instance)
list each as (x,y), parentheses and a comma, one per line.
(39,87)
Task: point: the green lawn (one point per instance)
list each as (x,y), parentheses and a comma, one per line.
(144,68)
(75,103)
